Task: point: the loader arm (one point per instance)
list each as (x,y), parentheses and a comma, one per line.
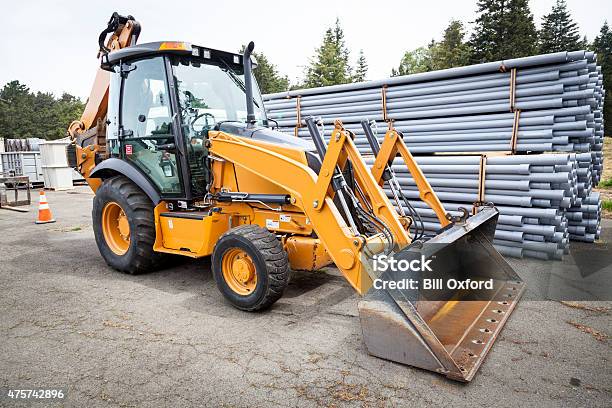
(450,335)
(392,145)
(311,193)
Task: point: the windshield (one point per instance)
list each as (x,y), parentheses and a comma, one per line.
(209,94)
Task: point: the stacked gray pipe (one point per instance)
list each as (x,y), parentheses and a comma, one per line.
(544,199)
(540,202)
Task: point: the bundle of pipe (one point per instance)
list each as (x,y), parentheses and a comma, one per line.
(584,216)
(469,109)
(533,194)
(551,103)
(521,187)
(584,219)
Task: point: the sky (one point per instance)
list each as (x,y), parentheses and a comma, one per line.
(51,46)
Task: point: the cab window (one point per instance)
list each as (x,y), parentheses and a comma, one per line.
(146,123)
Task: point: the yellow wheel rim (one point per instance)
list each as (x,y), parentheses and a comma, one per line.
(239,271)
(116,228)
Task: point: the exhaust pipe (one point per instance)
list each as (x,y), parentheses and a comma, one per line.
(248,83)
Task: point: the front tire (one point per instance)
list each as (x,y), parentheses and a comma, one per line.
(124,226)
(250,267)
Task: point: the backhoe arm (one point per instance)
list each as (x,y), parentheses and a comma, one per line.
(89,133)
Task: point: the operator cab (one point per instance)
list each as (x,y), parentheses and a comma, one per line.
(164,97)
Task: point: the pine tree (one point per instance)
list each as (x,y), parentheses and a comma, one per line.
(330,65)
(559,32)
(504,29)
(362,68)
(602,45)
(584,43)
(452,51)
(523,37)
(267,75)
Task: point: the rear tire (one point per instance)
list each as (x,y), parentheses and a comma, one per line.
(124,226)
(250,267)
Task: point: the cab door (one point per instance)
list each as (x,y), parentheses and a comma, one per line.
(146,132)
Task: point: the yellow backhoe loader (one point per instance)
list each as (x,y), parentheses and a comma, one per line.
(175,143)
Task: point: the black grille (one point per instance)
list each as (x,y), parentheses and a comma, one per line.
(71,155)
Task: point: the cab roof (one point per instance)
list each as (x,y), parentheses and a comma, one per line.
(203,54)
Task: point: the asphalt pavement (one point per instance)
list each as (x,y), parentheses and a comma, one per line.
(168,338)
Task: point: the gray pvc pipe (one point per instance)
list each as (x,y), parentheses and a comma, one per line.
(573,124)
(435,75)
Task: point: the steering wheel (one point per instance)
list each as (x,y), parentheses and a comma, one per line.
(205,115)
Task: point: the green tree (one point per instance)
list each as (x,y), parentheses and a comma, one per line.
(267,75)
(47,116)
(68,108)
(330,64)
(16,110)
(503,29)
(362,68)
(452,51)
(585,42)
(414,62)
(27,114)
(602,45)
(559,32)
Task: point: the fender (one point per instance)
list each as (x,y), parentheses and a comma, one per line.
(112,167)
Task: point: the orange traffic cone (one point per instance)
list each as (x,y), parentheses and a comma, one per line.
(44,212)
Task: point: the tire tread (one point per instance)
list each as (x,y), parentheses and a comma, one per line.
(274,256)
(144,258)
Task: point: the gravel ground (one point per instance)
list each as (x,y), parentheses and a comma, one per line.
(169,339)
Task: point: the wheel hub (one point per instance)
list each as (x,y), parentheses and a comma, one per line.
(116,228)
(243,268)
(123,225)
(239,271)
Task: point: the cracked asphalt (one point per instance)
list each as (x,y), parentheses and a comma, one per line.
(168,339)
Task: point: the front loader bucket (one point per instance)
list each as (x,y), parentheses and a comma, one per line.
(446,330)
